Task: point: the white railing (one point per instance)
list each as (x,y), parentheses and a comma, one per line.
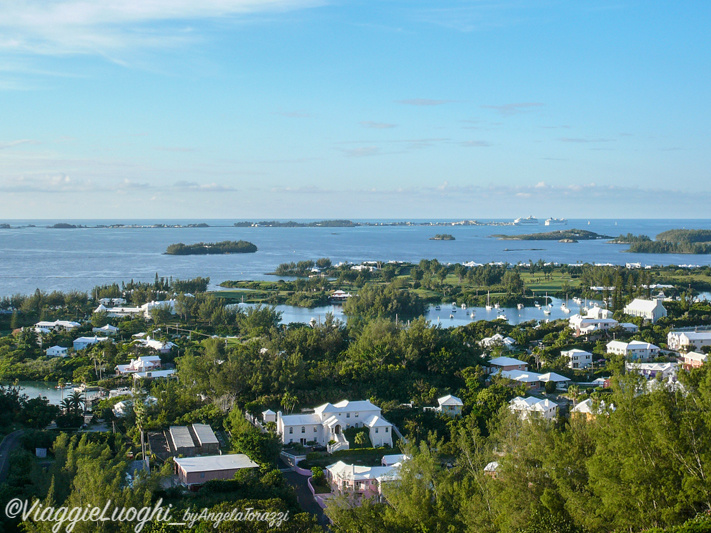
(340,444)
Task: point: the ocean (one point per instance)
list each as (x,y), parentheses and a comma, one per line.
(78,259)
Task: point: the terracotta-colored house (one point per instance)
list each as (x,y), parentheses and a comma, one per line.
(195,471)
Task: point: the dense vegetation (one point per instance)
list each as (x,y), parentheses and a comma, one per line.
(209,248)
(573,234)
(442,237)
(675,241)
(644,464)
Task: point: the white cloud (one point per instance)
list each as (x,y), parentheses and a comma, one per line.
(59,27)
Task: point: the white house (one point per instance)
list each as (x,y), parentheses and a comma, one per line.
(108,329)
(577,358)
(634,350)
(534,379)
(158,346)
(506,363)
(268,416)
(450,405)
(651,310)
(533,407)
(83,342)
(57,351)
(360,481)
(694,360)
(44,326)
(683,341)
(328,421)
(145,309)
(112,301)
(651,370)
(142,364)
(583,325)
(589,410)
(598,313)
(497,340)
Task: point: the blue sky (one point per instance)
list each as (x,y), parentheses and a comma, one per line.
(354,109)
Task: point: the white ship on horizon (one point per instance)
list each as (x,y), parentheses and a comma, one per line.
(552,221)
(526,221)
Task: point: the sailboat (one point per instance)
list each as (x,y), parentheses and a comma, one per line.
(547,308)
(488,303)
(564,306)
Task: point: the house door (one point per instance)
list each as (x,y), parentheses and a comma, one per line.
(302,441)
(337,429)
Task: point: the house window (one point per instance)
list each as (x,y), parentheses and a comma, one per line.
(291,430)
(356,415)
(202,474)
(376,430)
(386,430)
(303,429)
(315,430)
(348,415)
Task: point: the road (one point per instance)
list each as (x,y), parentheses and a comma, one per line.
(304,496)
(9,443)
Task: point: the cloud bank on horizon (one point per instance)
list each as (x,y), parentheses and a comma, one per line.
(303,108)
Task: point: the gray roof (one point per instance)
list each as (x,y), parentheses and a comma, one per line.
(213,463)
(181,437)
(204,434)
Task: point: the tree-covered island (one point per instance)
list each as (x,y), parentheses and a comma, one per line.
(675,241)
(557,235)
(210,248)
(442,237)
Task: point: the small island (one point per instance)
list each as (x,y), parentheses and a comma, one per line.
(443,237)
(674,241)
(210,248)
(567,235)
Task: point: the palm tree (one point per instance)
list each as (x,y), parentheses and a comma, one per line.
(76,400)
(66,405)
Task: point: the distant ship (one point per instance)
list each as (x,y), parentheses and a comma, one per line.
(552,221)
(526,221)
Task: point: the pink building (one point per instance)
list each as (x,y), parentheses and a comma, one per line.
(195,471)
(360,481)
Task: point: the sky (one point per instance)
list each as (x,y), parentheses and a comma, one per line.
(393,109)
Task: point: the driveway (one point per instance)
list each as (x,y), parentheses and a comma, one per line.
(9,443)
(304,496)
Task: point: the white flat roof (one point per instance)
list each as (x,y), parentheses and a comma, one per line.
(204,434)
(181,437)
(213,463)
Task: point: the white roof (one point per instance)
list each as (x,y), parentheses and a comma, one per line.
(506,361)
(300,420)
(355,472)
(552,376)
(491,467)
(326,408)
(639,304)
(215,463)
(617,344)
(522,376)
(583,407)
(575,351)
(696,356)
(392,459)
(204,434)
(637,345)
(376,421)
(532,404)
(696,335)
(181,437)
(268,412)
(362,405)
(449,400)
